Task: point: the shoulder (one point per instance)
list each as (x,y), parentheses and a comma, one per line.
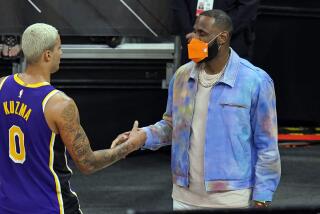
(2,79)
(184,70)
(61,104)
(60,109)
(254,73)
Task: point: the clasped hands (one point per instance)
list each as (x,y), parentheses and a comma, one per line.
(134,138)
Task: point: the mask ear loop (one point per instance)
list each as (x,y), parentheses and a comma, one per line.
(214,38)
(219,46)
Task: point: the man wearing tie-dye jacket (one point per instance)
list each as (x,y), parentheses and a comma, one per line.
(221,122)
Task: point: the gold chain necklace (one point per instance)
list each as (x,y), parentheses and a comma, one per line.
(207,80)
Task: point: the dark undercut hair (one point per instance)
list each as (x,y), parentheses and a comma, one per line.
(222,19)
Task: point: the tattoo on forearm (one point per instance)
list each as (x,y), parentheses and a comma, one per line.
(81,145)
(124,149)
(119,152)
(74,131)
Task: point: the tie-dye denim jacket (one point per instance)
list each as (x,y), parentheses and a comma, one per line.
(241,148)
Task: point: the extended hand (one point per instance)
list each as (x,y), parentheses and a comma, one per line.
(137,137)
(134,138)
(120,139)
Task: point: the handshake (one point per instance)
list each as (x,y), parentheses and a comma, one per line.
(131,140)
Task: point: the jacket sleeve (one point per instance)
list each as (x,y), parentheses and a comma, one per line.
(265,136)
(160,134)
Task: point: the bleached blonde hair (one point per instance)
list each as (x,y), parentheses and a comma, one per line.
(36,39)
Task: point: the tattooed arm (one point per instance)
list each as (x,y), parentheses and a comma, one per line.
(63,118)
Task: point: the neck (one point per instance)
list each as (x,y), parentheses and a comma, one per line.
(217,64)
(36,73)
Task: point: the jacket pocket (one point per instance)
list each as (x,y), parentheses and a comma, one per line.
(235,115)
(236,119)
(233,104)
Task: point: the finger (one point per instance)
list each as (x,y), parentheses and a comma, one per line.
(119,140)
(123,138)
(114,143)
(127,133)
(135,126)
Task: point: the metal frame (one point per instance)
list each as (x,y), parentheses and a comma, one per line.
(123,51)
(128,51)
(166,51)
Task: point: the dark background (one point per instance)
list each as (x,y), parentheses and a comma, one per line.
(287,40)
(87,17)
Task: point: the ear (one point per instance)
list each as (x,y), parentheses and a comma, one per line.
(223,37)
(47,55)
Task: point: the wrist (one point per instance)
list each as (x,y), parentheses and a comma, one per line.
(143,136)
(261,203)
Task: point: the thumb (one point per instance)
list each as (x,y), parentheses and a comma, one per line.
(135,126)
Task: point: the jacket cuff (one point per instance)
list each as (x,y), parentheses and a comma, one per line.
(148,143)
(266,195)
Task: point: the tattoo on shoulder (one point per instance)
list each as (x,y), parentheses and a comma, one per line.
(70,118)
(69,113)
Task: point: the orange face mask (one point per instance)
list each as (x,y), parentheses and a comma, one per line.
(197,50)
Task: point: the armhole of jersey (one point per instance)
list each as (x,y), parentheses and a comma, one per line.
(1,84)
(46,99)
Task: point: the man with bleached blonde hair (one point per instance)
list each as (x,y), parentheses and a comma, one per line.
(34,175)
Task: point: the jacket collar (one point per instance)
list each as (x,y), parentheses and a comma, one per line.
(230,74)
